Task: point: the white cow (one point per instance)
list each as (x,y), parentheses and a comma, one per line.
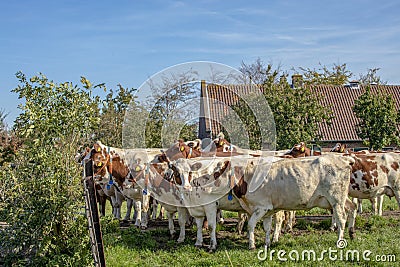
(293,184)
(202,174)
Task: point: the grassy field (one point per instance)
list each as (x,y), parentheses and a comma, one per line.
(377,239)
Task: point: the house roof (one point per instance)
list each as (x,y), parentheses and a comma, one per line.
(339,98)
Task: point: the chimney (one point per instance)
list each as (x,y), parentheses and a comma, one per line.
(354,84)
(297,80)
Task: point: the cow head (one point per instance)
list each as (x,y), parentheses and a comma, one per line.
(100,160)
(137,172)
(298,150)
(301,150)
(182,170)
(188,151)
(340,148)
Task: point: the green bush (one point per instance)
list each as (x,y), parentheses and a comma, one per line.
(43,193)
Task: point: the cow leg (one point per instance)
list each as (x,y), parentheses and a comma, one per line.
(145,209)
(290,220)
(138,209)
(254,218)
(113,204)
(102,204)
(379,204)
(242,219)
(171,227)
(373,205)
(359,205)
(220,216)
(278,218)
(340,218)
(119,199)
(267,222)
(161,214)
(129,205)
(154,209)
(333,223)
(211,213)
(199,237)
(351,207)
(182,217)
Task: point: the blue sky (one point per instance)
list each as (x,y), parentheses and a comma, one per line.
(128,41)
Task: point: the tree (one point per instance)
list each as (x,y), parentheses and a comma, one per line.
(167,96)
(259,73)
(43,193)
(371,77)
(297,112)
(379,119)
(338,75)
(112,115)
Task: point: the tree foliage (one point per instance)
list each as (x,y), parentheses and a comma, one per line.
(337,75)
(371,77)
(259,73)
(112,114)
(167,96)
(297,112)
(379,119)
(43,193)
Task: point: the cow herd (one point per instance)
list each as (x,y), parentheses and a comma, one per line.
(188,180)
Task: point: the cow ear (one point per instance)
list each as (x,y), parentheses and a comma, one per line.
(182,148)
(302,149)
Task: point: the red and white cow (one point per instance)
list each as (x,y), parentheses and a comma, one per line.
(374,175)
(116,161)
(102,179)
(159,177)
(288,184)
(376,202)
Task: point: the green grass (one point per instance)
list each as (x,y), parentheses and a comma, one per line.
(133,247)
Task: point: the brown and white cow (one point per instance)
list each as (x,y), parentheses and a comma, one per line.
(116,161)
(374,175)
(160,177)
(362,168)
(102,176)
(288,184)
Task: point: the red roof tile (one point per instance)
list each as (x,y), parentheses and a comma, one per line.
(339,98)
